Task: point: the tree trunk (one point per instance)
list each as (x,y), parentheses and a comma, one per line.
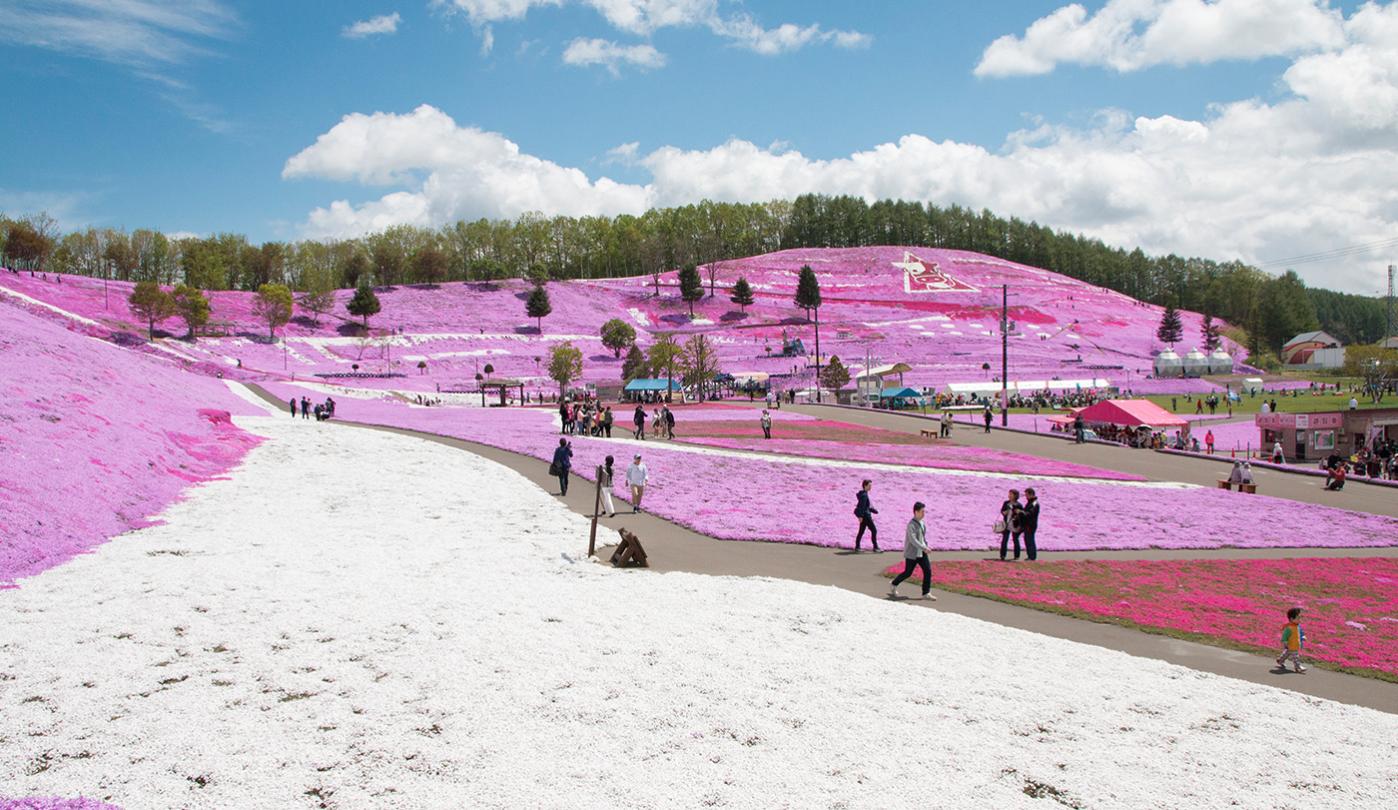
(817,335)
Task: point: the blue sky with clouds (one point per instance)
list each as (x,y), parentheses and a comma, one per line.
(1216,127)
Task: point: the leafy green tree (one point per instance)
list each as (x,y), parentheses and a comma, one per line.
(429,265)
(1286,310)
(1170,330)
(28,244)
(364,303)
(565,365)
(319,295)
(691,286)
(742,294)
(617,335)
(357,270)
(192,307)
(699,363)
(634,365)
(835,376)
(151,304)
(273,305)
(663,355)
(537,306)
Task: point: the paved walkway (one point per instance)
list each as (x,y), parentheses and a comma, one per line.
(1151,465)
(675,548)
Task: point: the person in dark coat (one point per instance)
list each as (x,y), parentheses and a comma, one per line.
(293,407)
(640,421)
(562,463)
(1029,523)
(989,417)
(865,511)
(305,407)
(1010,513)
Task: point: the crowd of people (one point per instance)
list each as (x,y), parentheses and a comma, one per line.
(321,410)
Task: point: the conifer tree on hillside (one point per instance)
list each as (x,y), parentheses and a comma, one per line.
(1171,329)
(808,298)
(1209,332)
(538,306)
(364,303)
(742,294)
(691,286)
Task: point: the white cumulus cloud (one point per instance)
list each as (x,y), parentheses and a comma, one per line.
(1127,35)
(374,26)
(583,52)
(645,17)
(1315,170)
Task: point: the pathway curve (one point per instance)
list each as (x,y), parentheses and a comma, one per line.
(675,548)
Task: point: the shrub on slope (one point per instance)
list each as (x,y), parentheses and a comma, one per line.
(95,439)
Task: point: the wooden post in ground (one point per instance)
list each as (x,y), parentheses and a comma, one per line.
(596,510)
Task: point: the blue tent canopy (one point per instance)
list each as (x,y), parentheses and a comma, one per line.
(652,385)
(900,393)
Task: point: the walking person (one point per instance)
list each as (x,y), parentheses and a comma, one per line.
(1009,523)
(988,416)
(766,424)
(865,511)
(915,554)
(1029,523)
(562,463)
(293,407)
(607,419)
(1292,638)
(668,417)
(637,476)
(1079,430)
(640,421)
(305,407)
(1209,441)
(604,480)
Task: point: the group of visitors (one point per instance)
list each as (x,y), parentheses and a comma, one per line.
(662,423)
(1019,519)
(321,410)
(585,418)
(637,477)
(1241,473)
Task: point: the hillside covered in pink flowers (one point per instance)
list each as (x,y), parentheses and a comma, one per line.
(936,310)
(97,439)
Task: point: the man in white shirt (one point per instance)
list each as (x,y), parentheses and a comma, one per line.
(637,476)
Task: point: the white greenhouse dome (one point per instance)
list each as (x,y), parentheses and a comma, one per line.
(1168,364)
(1220,362)
(1195,363)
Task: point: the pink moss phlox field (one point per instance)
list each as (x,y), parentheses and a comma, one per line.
(806,501)
(97,439)
(1350,603)
(936,456)
(1065,326)
(54,803)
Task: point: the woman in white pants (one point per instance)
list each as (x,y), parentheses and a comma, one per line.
(606,483)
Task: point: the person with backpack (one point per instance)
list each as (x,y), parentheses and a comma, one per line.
(562,463)
(865,511)
(915,554)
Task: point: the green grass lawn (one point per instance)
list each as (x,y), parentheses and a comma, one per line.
(1305,402)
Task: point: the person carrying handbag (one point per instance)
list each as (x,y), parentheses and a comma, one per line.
(1011,514)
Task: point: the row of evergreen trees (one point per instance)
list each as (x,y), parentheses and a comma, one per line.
(1270,308)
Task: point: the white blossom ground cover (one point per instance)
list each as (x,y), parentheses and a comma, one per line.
(360,619)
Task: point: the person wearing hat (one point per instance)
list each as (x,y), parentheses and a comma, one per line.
(637,476)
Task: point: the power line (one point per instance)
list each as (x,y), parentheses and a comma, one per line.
(1336,253)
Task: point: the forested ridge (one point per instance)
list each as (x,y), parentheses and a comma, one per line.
(1270,308)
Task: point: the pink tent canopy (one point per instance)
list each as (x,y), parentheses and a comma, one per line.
(1131,413)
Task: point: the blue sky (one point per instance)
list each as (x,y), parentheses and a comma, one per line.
(191,127)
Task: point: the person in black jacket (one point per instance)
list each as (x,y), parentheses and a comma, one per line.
(865,511)
(1029,522)
(562,463)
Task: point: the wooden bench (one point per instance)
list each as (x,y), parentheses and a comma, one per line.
(931,434)
(1224,483)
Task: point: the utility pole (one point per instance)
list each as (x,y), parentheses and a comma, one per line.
(1388,310)
(1004,355)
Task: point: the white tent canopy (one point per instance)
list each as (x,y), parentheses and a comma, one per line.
(1027,386)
